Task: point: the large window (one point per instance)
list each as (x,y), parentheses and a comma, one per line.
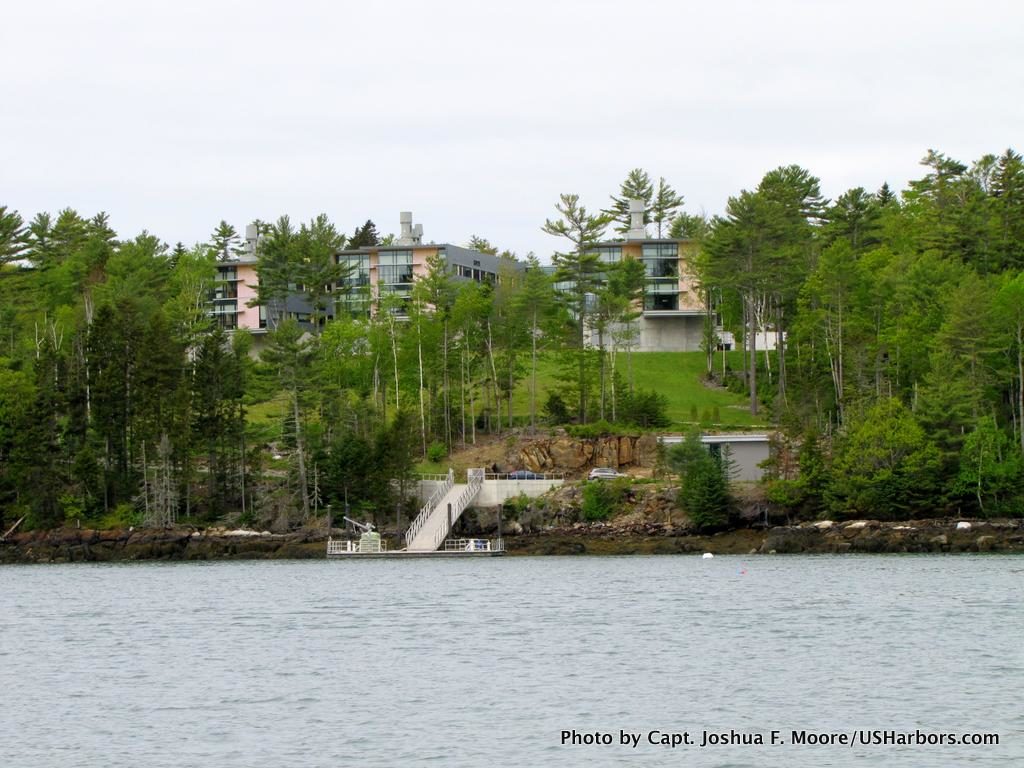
(394,268)
(394,275)
(661,259)
(661,263)
(609,254)
(360,274)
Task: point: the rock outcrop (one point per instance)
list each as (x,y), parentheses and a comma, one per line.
(569,454)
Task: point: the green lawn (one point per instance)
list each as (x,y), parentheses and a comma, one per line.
(676,375)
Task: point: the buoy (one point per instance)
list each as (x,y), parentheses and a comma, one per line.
(707,556)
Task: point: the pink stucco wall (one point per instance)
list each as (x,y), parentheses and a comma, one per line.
(248,317)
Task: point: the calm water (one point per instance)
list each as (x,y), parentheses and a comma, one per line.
(485,662)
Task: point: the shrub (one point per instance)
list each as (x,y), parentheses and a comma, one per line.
(645,409)
(556,410)
(437,452)
(595,429)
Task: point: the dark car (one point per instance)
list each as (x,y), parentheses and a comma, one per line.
(524,474)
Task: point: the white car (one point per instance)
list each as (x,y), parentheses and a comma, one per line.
(604,473)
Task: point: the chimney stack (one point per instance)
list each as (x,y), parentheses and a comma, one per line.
(637,230)
(409,235)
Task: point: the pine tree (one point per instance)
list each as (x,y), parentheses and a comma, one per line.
(664,206)
(225,242)
(13,236)
(637,186)
(364,236)
(316,266)
(581,268)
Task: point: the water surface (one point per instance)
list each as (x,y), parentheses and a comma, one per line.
(485,662)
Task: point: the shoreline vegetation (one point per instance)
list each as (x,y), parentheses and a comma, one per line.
(878,338)
(931,536)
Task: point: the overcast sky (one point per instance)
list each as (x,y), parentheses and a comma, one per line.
(173,115)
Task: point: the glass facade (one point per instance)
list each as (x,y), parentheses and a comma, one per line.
(661,263)
(354,298)
(394,274)
(609,254)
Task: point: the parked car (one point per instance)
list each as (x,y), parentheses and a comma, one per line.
(604,473)
(524,474)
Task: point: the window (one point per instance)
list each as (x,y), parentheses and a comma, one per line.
(360,275)
(609,254)
(394,268)
(661,264)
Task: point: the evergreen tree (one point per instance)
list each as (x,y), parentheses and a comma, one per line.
(704,489)
(664,206)
(316,266)
(13,236)
(482,244)
(225,242)
(277,265)
(637,186)
(364,236)
(580,268)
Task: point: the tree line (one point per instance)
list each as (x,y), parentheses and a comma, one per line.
(897,389)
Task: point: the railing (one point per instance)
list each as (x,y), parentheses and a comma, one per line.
(474,545)
(426,509)
(518,476)
(349,547)
(476,479)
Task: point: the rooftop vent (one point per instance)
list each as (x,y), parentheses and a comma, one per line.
(637,230)
(410,235)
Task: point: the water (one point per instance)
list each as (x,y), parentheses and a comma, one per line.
(485,662)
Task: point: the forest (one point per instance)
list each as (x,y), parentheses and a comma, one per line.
(897,391)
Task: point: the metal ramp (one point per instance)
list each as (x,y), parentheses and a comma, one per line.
(436,518)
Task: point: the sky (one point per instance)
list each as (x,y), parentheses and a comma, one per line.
(475,116)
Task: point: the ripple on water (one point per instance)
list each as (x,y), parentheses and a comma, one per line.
(484,662)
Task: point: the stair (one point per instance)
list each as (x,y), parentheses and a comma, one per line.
(432,526)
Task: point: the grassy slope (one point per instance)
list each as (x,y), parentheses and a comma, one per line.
(676,375)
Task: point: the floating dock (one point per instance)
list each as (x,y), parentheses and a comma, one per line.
(376,549)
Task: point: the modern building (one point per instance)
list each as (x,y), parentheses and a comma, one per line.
(672,315)
(379,271)
(236,287)
(747,452)
(382,271)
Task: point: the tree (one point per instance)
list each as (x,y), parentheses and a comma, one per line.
(364,236)
(704,490)
(316,266)
(884,466)
(13,236)
(482,244)
(535,303)
(637,186)
(277,267)
(1009,313)
(991,471)
(225,242)
(686,226)
(580,268)
(216,397)
(290,355)
(666,203)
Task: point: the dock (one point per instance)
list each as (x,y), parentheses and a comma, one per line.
(445,501)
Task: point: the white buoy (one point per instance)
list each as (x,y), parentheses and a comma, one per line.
(707,556)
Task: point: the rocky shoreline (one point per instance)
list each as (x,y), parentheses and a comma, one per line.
(825,537)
